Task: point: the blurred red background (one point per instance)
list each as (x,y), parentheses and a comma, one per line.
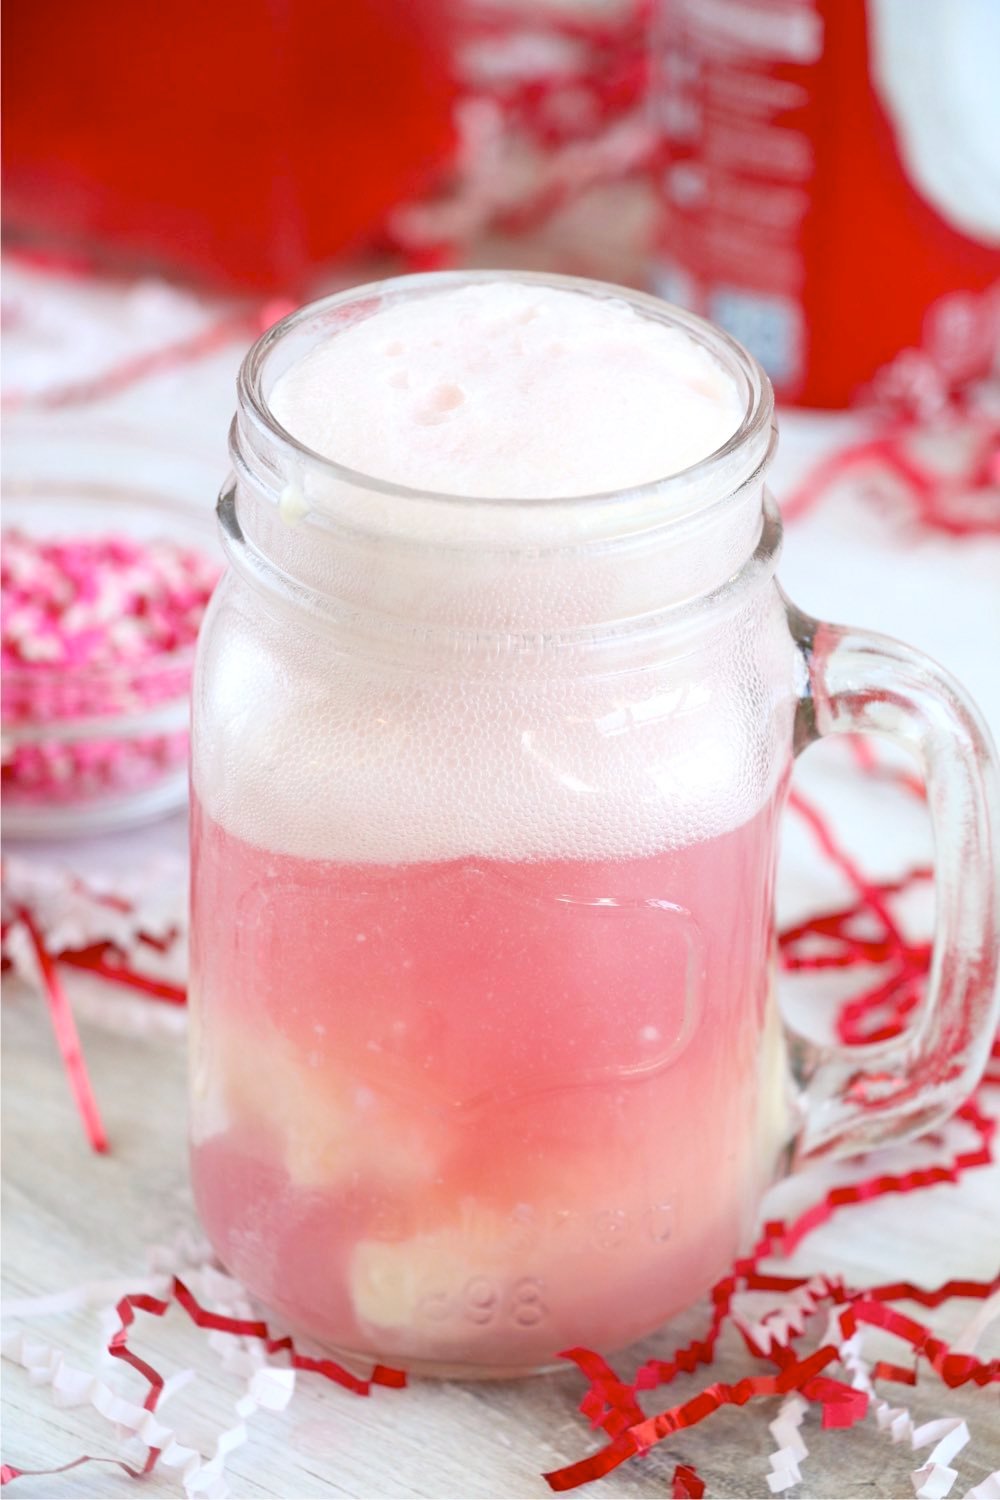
(788,168)
(242,141)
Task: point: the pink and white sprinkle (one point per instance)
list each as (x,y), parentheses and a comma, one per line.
(94,628)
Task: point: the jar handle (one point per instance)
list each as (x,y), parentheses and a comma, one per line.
(858,1097)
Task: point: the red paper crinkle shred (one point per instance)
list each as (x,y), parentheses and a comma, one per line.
(67,1037)
(248,1328)
(220,333)
(845,940)
(687,1483)
(890,466)
(252,1328)
(841,1404)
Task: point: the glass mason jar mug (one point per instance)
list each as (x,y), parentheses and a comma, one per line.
(486,1058)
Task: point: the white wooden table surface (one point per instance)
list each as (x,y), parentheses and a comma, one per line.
(71,1217)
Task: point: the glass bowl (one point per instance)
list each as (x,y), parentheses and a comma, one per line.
(96,747)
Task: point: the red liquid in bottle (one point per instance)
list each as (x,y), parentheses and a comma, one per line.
(245,143)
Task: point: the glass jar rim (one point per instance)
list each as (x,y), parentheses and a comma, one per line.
(737,459)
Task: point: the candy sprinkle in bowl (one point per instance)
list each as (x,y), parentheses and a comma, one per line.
(105,582)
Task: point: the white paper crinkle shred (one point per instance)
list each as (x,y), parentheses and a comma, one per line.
(786,1321)
(62,329)
(122,910)
(268,1387)
(948,1435)
(71,913)
(945,1436)
(989,1489)
(791,1449)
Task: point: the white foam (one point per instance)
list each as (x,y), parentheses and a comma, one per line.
(510,390)
(308,746)
(311,750)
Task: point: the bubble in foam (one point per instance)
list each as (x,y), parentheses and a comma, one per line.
(358,762)
(510,390)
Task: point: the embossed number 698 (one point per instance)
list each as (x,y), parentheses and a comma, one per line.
(483,1301)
